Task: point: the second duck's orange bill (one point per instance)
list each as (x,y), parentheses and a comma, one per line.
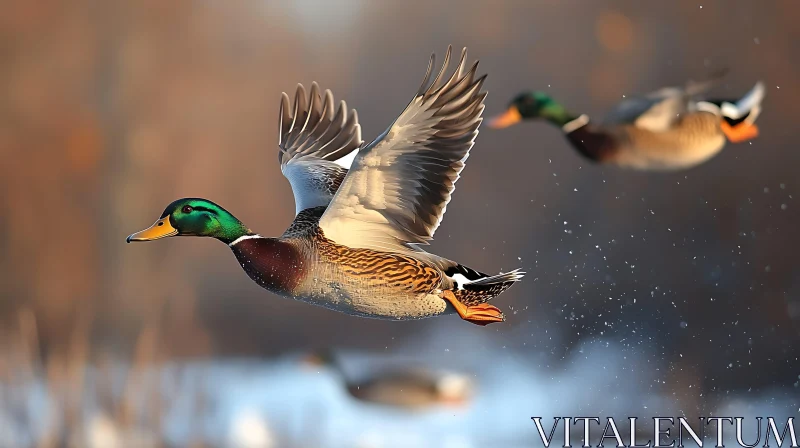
(508,118)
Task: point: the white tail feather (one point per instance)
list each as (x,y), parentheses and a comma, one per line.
(751,101)
(513,276)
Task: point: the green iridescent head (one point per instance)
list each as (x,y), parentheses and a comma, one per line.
(531,106)
(194,217)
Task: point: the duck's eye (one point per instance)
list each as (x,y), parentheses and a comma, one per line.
(187,209)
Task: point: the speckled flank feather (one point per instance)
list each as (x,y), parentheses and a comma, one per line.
(374,268)
(691,133)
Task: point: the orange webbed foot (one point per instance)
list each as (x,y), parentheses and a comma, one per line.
(481,314)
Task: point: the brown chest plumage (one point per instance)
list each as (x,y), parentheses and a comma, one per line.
(274,264)
(595,145)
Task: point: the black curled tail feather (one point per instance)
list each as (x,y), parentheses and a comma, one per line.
(469,273)
(473,287)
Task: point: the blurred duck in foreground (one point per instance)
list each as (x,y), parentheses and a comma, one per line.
(668,129)
(413,389)
(362,212)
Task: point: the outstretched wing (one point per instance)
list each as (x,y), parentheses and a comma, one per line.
(399,185)
(317,145)
(659,110)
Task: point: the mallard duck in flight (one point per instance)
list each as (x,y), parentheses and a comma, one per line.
(666,130)
(362,212)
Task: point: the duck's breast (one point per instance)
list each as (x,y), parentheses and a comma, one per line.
(276,265)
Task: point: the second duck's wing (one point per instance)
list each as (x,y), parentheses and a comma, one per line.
(660,110)
(317,144)
(399,185)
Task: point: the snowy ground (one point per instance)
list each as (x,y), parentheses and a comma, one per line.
(281,402)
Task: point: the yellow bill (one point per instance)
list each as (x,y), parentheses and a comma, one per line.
(161,229)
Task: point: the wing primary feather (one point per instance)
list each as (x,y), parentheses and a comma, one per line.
(322,118)
(458,75)
(305,108)
(340,123)
(432,89)
(300,105)
(315,104)
(348,139)
(424,86)
(462,93)
(314,109)
(332,129)
(285,117)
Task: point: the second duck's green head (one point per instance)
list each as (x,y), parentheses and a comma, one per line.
(193,217)
(530,106)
